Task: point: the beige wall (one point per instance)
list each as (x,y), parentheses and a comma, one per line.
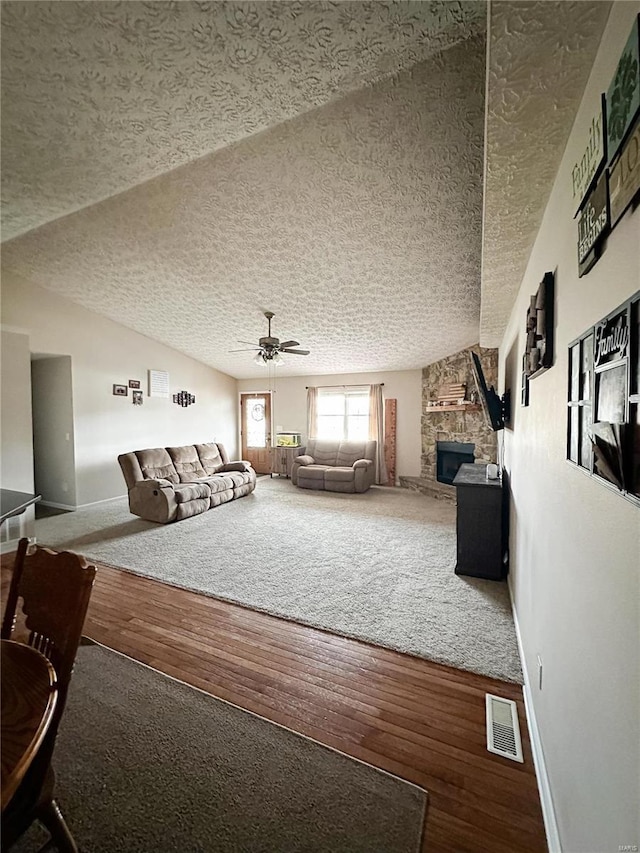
(575,550)
(290,406)
(103,353)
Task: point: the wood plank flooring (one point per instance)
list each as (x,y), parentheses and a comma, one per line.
(416,719)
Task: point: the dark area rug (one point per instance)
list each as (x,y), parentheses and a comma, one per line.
(147,763)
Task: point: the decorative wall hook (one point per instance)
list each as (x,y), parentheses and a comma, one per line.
(184,398)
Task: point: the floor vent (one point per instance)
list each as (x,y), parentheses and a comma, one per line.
(503,731)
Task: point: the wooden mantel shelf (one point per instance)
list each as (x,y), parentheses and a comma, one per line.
(472,407)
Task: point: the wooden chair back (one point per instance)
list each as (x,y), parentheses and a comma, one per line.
(55,590)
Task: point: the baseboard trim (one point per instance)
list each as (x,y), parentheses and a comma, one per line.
(544,788)
(73,508)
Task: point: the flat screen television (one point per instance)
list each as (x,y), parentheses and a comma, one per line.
(494,407)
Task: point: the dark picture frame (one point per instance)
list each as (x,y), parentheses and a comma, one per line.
(134,383)
(623,94)
(120,391)
(138,398)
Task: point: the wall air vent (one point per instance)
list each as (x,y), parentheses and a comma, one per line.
(503,730)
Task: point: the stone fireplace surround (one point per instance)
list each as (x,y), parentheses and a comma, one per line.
(453,426)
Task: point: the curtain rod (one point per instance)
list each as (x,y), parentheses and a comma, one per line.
(350,385)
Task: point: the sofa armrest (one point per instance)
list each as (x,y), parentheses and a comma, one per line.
(154,484)
(239,465)
(304,460)
(362,463)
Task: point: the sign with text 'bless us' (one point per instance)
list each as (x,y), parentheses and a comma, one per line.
(592,226)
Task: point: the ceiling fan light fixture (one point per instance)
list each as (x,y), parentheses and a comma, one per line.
(277,358)
(259,358)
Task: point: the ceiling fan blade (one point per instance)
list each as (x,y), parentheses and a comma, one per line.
(296,351)
(286,344)
(248,349)
(251,343)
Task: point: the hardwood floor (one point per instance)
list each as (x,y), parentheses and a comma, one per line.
(416,719)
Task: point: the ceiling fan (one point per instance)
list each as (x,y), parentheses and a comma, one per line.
(269,349)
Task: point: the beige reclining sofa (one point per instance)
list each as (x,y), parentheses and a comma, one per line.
(171,483)
(336,466)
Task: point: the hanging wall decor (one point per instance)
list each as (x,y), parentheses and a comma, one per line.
(134,383)
(584,171)
(538,355)
(184,398)
(158,383)
(624,177)
(120,390)
(603,424)
(623,94)
(593,226)
(137,398)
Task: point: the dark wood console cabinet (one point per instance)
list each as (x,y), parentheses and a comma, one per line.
(480,524)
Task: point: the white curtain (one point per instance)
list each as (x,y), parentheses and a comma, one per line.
(376,431)
(312,412)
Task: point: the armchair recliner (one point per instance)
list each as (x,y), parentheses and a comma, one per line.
(336,466)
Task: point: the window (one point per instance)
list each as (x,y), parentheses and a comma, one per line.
(343,414)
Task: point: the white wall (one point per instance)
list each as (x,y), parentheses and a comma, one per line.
(290,406)
(575,550)
(103,353)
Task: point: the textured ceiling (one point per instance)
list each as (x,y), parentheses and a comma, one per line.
(540,56)
(321,160)
(100,96)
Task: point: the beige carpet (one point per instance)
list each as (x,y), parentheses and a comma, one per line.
(147,764)
(378,567)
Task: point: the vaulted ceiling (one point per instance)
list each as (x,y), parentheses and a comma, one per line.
(182,167)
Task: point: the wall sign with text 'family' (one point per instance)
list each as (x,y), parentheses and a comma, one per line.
(592,226)
(624,176)
(611,339)
(593,156)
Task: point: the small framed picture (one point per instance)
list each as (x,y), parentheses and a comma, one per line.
(134,383)
(120,390)
(137,398)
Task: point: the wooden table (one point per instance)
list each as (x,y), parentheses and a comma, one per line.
(29,695)
(15,503)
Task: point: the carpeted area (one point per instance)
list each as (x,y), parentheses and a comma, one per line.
(145,763)
(378,567)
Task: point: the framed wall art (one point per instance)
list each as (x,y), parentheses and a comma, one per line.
(120,390)
(603,422)
(623,94)
(538,355)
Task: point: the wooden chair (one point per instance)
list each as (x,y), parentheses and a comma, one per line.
(55,591)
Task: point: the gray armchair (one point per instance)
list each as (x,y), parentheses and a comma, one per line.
(336,466)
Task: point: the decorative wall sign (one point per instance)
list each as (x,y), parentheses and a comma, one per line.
(623,95)
(593,156)
(120,390)
(624,176)
(184,398)
(611,339)
(524,387)
(138,398)
(592,226)
(603,426)
(158,383)
(134,383)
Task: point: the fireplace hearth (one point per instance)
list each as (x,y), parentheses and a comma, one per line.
(450,455)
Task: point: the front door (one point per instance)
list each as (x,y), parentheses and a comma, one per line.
(255,417)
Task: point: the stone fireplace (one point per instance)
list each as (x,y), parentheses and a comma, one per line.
(452,426)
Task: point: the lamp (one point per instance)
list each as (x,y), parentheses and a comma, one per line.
(259,358)
(277,358)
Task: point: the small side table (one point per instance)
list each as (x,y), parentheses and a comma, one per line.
(283,459)
(479,524)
